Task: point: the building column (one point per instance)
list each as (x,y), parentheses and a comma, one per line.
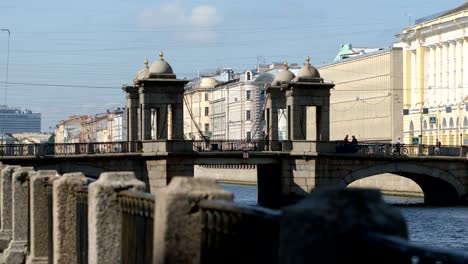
(145,117)
(177,122)
(323,121)
(132,116)
(162,124)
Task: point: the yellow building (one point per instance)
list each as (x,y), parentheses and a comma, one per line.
(435,78)
(197,108)
(367,98)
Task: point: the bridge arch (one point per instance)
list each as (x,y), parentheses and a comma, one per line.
(438,186)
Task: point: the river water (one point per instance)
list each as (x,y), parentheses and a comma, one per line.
(436,227)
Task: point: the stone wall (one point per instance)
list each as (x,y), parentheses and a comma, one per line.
(228,173)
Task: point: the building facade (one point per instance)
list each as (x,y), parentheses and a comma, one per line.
(367,100)
(435,78)
(197,108)
(104,127)
(15,120)
(238,108)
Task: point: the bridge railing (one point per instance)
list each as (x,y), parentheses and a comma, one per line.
(252,232)
(137,209)
(299,146)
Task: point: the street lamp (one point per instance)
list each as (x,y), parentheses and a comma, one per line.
(7,64)
(6,78)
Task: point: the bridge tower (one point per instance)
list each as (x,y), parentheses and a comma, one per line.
(155,103)
(293,95)
(275,103)
(308,89)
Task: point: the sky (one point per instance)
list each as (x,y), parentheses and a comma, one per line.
(72,57)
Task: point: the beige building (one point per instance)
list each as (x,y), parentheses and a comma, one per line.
(367,99)
(197,108)
(69,131)
(435,72)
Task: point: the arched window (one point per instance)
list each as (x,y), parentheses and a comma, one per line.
(457,123)
(444,123)
(425,124)
(248,76)
(451,123)
(465,122)
(411,126)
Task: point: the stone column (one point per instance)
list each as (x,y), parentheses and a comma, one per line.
(104,216)
(177,231)
(162,122)
(178,121)
(64,218)
(324,121)
(39,217)
(145,122)
(332,221)
(5,201)
(16,251)
(132,116)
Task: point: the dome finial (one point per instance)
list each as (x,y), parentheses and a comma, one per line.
(161,55)
(146,63)
(286,66)
(308,59)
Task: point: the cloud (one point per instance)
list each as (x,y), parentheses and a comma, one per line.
(195,23)
(205,16)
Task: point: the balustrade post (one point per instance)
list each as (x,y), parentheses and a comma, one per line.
(104,216)
(39,217)
(5,201)
(177,230)
(328,225)
(64,216)
(15,253)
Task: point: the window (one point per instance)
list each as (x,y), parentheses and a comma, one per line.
(247,115)
(249,135)
(206,96)
(247,95)
(207,127)
(207,111)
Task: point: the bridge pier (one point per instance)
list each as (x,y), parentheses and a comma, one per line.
(159,172)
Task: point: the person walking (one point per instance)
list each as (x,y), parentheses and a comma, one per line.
(437,147)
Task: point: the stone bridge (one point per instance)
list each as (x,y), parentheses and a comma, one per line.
(282,176)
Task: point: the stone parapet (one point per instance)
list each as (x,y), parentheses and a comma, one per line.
(16,251)
(39,218)
(104,216)
(6,203)
(64,216)
(177,229)
(330,220)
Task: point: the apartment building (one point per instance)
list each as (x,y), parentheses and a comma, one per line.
(367,100)
(435,78)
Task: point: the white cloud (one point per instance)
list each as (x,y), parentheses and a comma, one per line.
(166,14)
(198,21)
(205,16)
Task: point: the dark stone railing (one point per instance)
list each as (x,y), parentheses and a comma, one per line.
(349,225)
(137,226)
(252,232)
(50,213)
(82,225)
